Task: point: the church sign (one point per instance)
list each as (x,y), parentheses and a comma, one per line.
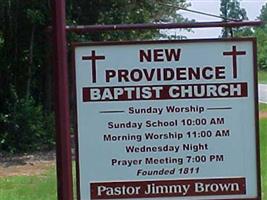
(167,119)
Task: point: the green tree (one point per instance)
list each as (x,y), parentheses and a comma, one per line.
(22,49)
(263,14)
(230,9)
(125,12)
(261,35)
(25,69)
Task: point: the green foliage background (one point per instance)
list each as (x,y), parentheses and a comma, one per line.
(26,72)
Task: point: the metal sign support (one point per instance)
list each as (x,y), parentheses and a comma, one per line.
(63,149)
(81,29)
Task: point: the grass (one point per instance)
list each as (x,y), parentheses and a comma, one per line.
(41,187)
(263,107)
(262,76)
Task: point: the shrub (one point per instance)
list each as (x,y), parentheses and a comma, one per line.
(26,128)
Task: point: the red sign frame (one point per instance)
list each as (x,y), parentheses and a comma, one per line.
(253,40)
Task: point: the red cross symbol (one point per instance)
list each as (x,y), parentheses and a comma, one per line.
(234,53)
(93,57)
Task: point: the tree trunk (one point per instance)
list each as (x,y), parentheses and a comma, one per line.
(48,71)
(29,79)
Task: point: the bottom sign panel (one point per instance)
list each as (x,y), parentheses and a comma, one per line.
(168,188)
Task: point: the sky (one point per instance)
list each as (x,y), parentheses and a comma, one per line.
(252,7)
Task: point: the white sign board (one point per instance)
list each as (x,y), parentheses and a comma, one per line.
(167,119)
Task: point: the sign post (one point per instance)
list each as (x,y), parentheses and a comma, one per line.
(167,119)
(63,148)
